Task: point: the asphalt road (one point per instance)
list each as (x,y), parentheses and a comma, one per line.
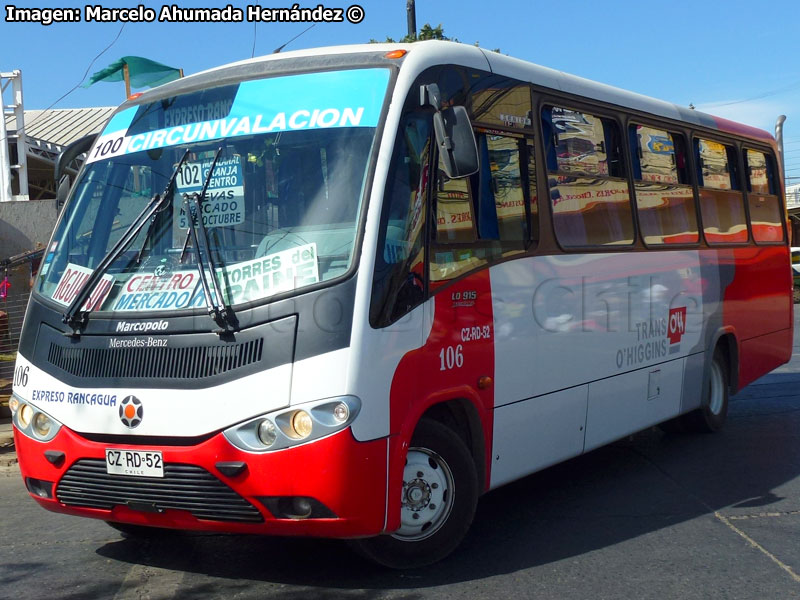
(654,516)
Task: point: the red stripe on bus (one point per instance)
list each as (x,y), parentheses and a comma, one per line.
(458,352)
(744,130)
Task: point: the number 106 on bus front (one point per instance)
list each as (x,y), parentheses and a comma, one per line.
(451,357)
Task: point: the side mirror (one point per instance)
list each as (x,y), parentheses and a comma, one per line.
(68,154)
(454,135)
(456,142)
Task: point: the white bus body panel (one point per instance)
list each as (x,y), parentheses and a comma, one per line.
(627,403)
(538,433)
(166,412)
(585,352)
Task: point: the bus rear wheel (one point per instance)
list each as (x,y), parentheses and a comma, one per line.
(439,496)
(711,415)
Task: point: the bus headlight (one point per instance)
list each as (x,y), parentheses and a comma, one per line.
(294,425)
(41,424)
(13,403)
(341,412)
(267,433)
(25,414)
(34,423)
(302,425)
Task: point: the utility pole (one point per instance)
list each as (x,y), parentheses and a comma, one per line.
(5,163)
(411,11)
(16,110)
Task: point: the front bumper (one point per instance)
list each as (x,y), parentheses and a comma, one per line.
(345,476)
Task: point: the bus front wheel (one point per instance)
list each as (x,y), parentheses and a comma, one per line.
(439,496)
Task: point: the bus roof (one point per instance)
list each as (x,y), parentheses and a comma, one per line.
(432,52)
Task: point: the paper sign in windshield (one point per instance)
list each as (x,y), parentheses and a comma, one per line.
(172,290)
(251,280)
(73,279)
(270,274)
(224,199)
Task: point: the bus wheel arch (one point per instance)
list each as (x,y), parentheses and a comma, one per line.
(727,344)
(462,416)
(439,495)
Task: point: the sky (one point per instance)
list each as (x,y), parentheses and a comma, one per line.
(737,59)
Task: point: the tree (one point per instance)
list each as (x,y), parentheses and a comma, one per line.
(425,33)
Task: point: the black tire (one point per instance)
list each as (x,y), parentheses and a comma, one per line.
(416,544)
(711,415)
(141,532)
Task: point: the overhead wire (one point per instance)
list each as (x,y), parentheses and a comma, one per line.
(77,85)
(774,92)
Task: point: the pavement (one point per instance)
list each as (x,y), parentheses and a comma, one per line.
(8,457)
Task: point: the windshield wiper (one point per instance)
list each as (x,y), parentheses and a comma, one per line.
(217,309)
(73,316)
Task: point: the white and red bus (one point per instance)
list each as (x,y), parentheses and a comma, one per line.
(345,292)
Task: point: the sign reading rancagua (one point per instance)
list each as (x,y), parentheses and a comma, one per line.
(350,98)
(242,282)
(224,199)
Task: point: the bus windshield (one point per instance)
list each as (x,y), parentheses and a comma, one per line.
(280,208)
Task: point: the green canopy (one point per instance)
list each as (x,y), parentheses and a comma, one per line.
(143,72)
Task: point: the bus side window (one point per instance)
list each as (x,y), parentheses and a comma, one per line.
(588,188)
(484,217)
(664,198)
(398,283)
(766,222)
(721,202)
(533,195)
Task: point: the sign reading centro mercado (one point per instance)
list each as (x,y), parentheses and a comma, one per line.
(251,280)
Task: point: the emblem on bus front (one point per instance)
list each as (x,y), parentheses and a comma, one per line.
(131,411)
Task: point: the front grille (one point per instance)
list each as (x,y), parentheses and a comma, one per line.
(194,362)
(183,487)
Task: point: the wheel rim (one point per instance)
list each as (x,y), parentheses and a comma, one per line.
(427,495)
(717,395)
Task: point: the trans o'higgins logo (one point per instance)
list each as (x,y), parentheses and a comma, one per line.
(143,327)
(655,339)
(676,325)
(131,411)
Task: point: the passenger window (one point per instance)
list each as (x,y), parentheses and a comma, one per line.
(766,219)
(664,199)
(721,202)
(503,153)
(455,221)
(500,102)
(588,187)
(759,173)
(483,217)
(716,169)
(533,198)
